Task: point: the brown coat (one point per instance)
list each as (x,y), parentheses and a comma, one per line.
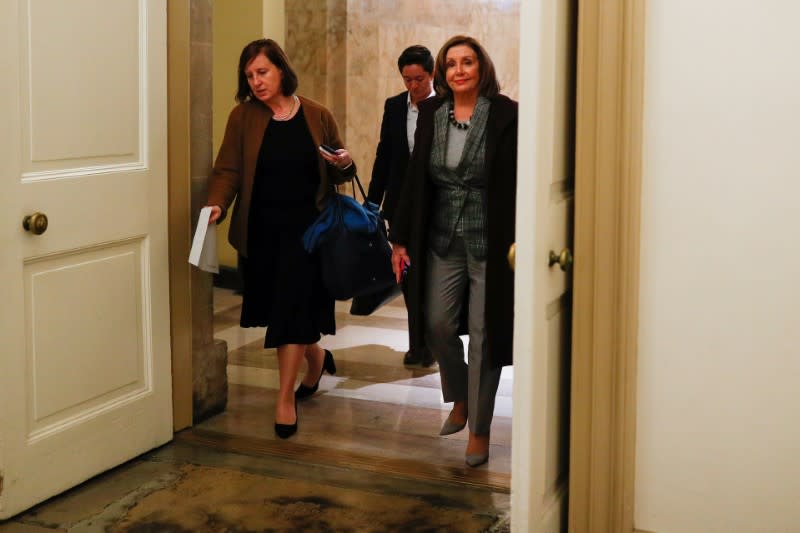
(235,167)
(413,213)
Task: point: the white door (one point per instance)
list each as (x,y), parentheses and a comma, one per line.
(542,300)
(84,326)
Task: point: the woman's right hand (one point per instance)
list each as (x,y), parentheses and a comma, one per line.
(216,212)
(400,260)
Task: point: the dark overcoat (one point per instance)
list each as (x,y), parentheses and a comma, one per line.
(391,156)
(413,214)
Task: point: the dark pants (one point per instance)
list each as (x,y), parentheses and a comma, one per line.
(416,330)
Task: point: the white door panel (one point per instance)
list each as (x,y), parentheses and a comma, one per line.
(543,298)
(84,72)
(85,357)
(109,335)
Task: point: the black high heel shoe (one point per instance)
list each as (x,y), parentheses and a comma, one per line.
(328,365)
(285,431)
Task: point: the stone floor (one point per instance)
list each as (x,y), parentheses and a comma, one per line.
(367,455)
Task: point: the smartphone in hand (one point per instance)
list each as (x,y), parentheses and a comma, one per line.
(330,150)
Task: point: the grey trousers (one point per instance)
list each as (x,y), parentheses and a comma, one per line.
(476,382)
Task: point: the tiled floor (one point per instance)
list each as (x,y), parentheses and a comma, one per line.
(367,455)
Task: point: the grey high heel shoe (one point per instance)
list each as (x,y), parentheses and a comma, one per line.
(476,459)
(448,428)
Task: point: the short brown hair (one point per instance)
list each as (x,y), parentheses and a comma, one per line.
(277,57)
(487,82)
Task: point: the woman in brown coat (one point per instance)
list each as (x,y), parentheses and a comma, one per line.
(453,226)
(270,163)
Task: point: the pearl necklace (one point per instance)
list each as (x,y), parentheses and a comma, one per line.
(460,125)
(286,116)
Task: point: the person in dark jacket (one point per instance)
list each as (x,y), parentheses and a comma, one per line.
(391,160)
(271,164)
(453,226)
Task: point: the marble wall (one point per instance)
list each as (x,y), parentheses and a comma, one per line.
(315,43)
(345,52)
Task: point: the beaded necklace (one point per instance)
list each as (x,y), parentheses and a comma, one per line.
(460,125)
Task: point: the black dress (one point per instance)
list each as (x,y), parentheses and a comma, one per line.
(283,287)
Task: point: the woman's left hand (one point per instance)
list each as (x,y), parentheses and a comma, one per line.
(341,160)
(400,261)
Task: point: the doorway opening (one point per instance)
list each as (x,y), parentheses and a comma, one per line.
(608,178)
(388,410)
(566,191)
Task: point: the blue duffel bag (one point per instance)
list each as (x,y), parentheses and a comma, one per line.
(351,239)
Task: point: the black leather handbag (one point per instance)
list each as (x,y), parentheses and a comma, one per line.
(356,261)
(366,304)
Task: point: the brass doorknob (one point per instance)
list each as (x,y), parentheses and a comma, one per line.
(512,255)
(564,259)
(35,223)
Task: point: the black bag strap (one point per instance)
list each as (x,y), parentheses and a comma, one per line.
(360,187)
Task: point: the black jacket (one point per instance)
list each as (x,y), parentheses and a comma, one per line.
(391,157)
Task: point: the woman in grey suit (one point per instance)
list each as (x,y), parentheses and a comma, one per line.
(452,227)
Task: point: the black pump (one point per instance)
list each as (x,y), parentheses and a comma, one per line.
(285,431)
(328,365)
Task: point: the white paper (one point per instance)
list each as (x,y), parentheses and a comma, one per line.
(203,254)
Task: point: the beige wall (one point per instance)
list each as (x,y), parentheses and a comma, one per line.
(235,23)
(274,20)
(718,428)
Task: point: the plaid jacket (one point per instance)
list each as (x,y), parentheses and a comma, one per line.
(460,194)
(414,213)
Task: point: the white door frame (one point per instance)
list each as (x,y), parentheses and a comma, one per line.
(606,270)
